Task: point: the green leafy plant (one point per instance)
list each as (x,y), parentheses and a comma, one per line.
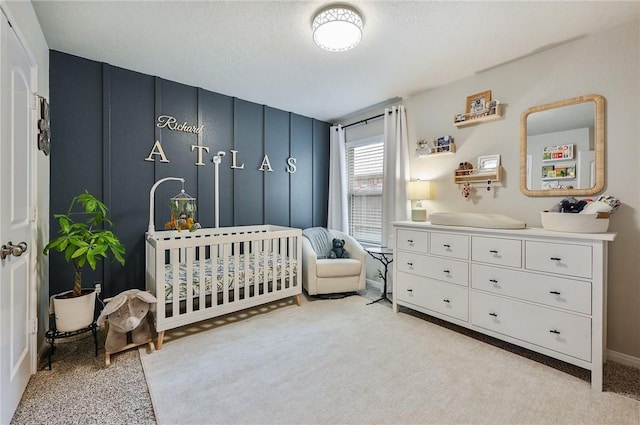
(88,238)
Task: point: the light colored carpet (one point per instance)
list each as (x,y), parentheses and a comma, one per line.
(342,361)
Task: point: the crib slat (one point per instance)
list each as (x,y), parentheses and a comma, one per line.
(174,260)
(215,255)
(265,265)
(202,281)
(251,272)
(188,258)
(256,264)
(225,272)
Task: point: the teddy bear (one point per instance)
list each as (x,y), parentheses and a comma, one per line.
(338,250)
(127,312)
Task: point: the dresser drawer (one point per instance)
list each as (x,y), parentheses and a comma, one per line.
(412,240)
(565,259)
(450,245)
(503,252)
(569,294)
(555,330)
(450,271)
(433,295)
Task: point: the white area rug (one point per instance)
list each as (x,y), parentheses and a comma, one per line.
(342,361)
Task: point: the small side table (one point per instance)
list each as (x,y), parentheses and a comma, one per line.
(52,334)
(385,256)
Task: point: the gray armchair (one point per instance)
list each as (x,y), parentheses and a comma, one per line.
(324,275)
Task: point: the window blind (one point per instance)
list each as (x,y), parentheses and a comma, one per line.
(364,167)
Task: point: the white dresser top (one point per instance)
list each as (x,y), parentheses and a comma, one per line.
(527,232)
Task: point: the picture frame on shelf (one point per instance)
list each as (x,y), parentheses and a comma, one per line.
(443,144)
(488,163)
(477,103)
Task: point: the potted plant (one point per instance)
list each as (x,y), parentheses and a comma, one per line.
(85,237)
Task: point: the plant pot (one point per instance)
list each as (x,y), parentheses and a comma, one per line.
(74,313)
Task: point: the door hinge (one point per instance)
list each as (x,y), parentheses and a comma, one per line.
(34,327)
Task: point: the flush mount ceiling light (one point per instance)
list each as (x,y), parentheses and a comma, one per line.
(337,28)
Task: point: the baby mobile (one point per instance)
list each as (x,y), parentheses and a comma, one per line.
(183,213)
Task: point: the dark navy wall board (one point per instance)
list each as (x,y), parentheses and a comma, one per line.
(301,197)
(216,114)
(180,102)
(76,154)
(132,120)
(104,126)
(248,191)
(276,147)
(320,173)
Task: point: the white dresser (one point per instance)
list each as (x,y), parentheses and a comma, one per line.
(542,290)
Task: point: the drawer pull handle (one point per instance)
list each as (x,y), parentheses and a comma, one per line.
(493,314)
(446,271)
(493,251)
(556,258)
(446,245)
(493,281)
(553,331)
(409,290)
(410,241)
(554,292)
(410,264)
(446,300)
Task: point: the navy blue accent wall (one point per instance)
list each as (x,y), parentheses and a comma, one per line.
(103,121)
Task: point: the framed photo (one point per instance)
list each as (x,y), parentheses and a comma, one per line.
(488,164)
(444,143)
(478,103)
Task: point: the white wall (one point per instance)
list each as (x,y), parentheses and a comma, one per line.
(607,63)
(24,21)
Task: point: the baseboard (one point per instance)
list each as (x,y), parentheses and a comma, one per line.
(624,359)
(374,284)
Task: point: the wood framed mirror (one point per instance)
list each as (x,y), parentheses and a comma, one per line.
(562,146)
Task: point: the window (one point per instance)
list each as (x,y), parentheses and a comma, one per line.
(364,168)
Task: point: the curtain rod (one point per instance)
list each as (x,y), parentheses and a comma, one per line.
(365,120)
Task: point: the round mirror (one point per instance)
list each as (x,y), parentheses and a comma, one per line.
(562,148)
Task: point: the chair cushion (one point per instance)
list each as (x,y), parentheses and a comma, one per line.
(338,267)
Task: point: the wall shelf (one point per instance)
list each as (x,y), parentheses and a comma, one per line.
(470,119)
(472,176)
(438,150)
(558,178)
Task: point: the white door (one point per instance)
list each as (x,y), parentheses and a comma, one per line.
(17,346)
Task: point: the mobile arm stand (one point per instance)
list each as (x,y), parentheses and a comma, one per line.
(152,192)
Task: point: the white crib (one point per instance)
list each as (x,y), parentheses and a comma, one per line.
(216,271)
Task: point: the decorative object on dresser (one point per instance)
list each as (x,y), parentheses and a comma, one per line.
(545,291)
(584,216)
(418,190)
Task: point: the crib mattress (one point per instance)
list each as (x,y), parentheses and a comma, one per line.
(247,274)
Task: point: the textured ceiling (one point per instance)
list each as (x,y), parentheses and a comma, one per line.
(263,51)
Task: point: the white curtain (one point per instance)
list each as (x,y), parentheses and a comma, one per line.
(395,206)
(338,216)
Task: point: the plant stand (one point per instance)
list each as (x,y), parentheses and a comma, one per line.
(52,334)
